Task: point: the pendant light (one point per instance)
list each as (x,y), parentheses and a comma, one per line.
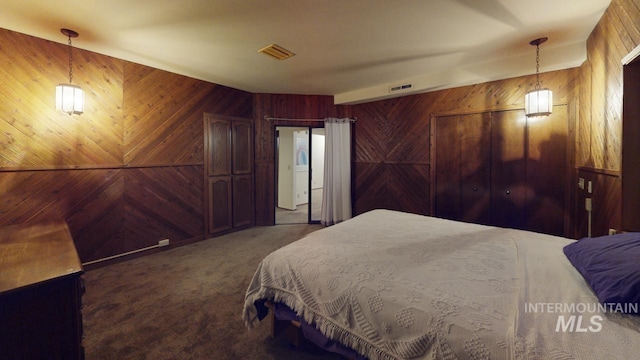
(70,98)
(538,102)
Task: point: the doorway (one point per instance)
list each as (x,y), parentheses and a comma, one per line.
(299,174)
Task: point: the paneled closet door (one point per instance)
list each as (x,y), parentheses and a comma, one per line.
(242,147)
(219,142)
(447,172)
(530,170)
(242,200)
(463,171)
(475,168)
(228,146)
(508,168)
(502,169)
(547,166)
(219,204)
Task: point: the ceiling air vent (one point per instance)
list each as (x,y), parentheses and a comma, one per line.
(276,51)
(400,88)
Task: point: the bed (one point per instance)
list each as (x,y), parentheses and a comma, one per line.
(392,285)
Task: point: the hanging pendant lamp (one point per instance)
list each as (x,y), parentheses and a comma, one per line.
(538,102)
(70,98)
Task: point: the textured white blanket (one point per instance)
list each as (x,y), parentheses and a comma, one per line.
(393,285)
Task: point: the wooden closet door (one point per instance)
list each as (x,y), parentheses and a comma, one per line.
(447,174)
(463,172)
(242,200)
(547,164)
(242,140)
(508,169)
(242,136)
(475,168)
(220,205)
(229,173)
(218,155)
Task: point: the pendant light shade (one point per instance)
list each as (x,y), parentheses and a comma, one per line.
(70,98)
(538,102)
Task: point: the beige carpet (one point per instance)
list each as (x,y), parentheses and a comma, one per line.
(186,302)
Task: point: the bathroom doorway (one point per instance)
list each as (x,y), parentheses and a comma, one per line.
(299,174)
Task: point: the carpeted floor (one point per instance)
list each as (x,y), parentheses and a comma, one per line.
(301,214)
(186,302)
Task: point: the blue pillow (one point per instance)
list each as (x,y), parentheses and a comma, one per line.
(611,266)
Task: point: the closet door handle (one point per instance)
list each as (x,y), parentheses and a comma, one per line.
(508,192)
(475,189)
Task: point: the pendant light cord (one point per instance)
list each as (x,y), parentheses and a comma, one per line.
(70,61)
(537,66)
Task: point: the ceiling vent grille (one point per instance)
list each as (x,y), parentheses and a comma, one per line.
(402,87)
(276,51)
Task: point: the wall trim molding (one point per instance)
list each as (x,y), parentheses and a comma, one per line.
(631,56)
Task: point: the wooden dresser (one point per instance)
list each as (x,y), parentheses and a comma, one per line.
(40,293)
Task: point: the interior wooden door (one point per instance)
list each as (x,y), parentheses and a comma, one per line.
(508,168)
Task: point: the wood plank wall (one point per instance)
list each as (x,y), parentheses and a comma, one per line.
(126,173)
(392,160)
(599,130)
(391,154)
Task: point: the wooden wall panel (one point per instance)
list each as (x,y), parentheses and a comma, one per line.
(599,129)
(265,186)
(370,187)
(124,174)
(90,201)
(583,131)
(163,203)
(391,186)
(132,133)
(405,189)
(370,134)
(397,131)
(163,115)
(34,134)
(264,156)
(606,214)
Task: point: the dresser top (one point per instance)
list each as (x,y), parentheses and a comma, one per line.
(35,253)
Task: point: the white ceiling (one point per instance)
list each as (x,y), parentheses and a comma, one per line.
(352,49)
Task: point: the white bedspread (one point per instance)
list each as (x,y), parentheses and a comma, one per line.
(401,286)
